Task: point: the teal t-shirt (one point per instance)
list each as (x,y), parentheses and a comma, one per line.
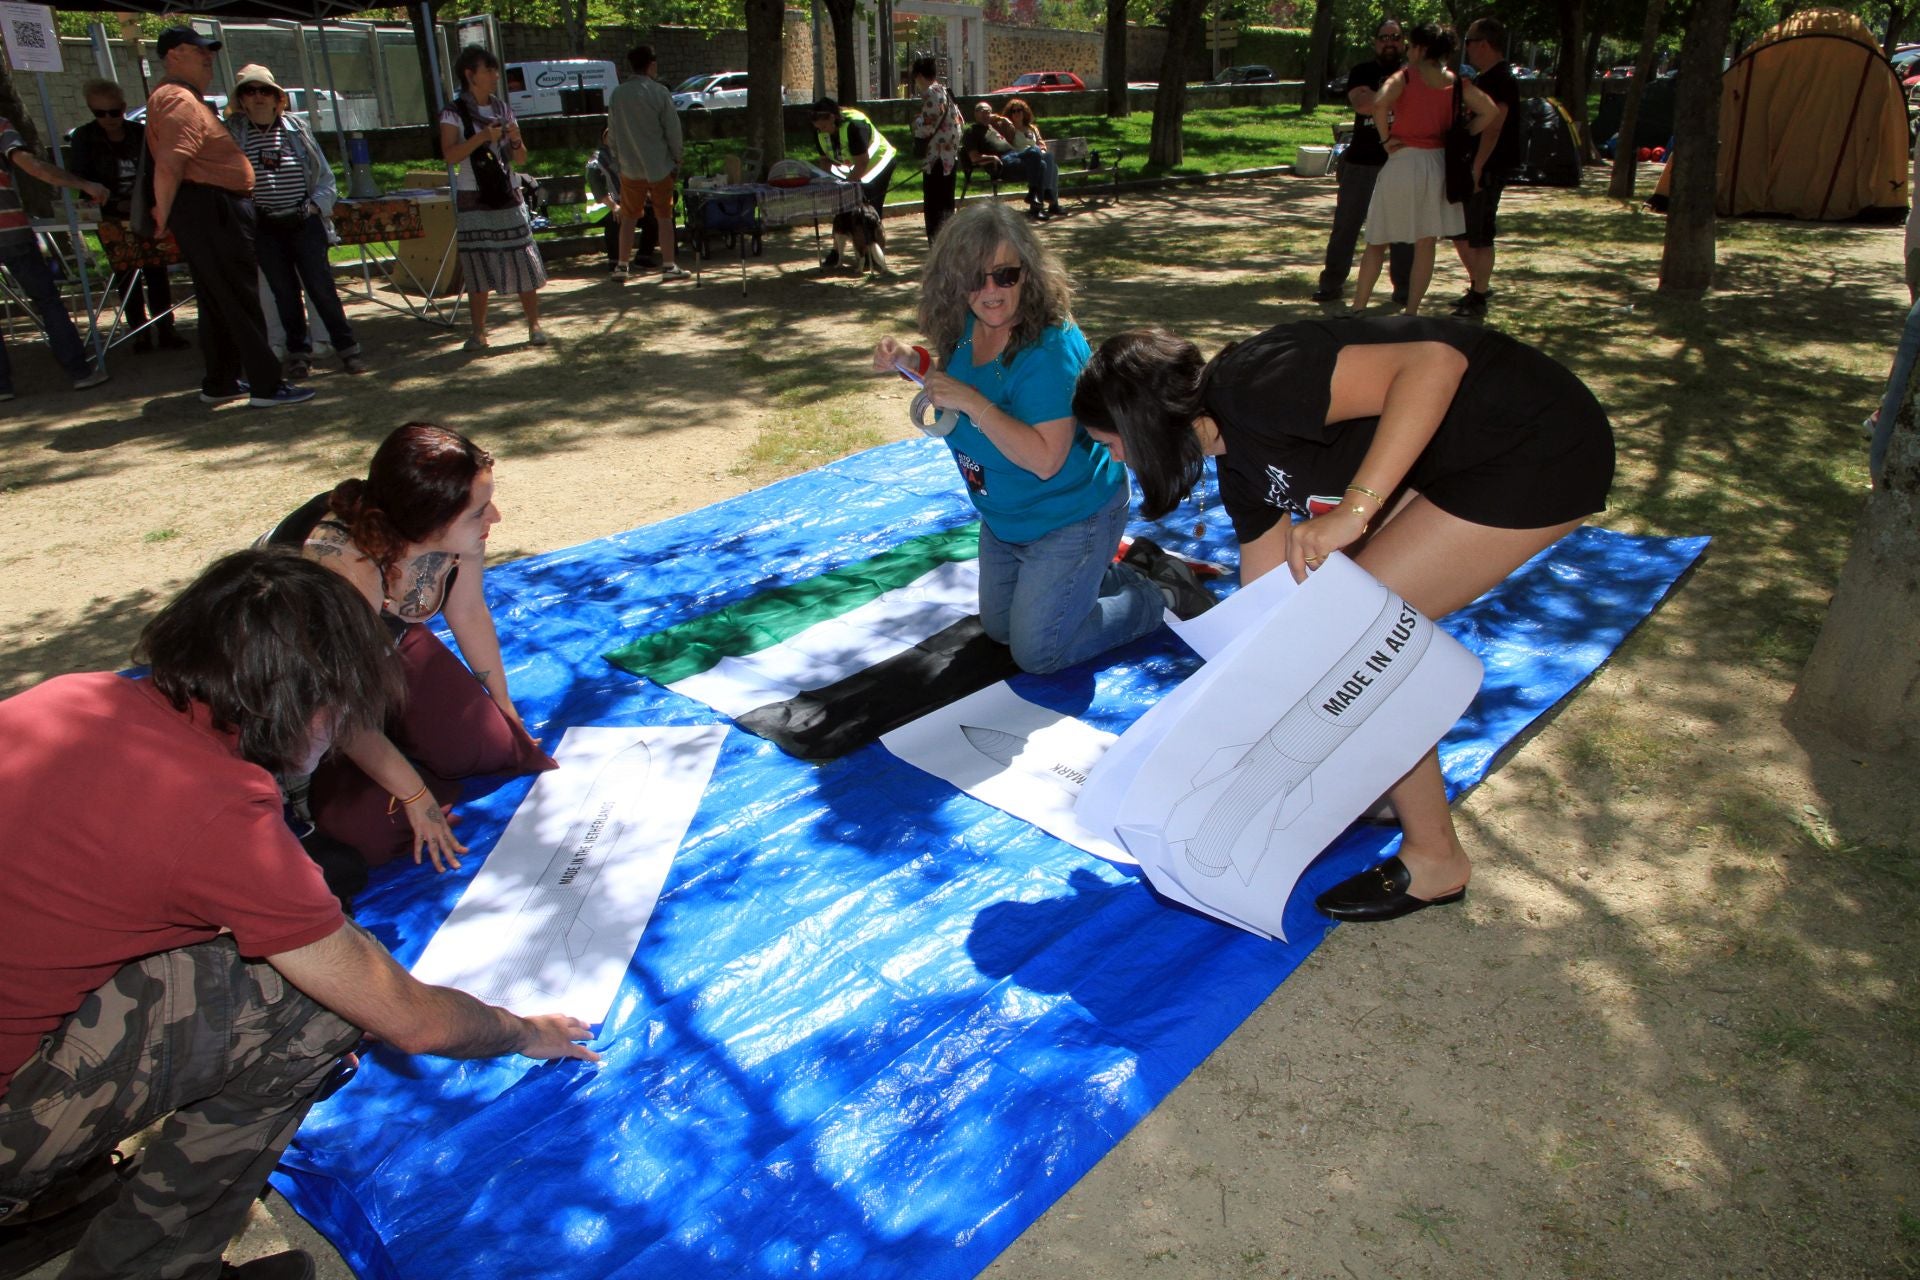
(1035,385)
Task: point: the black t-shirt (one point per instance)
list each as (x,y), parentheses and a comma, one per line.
(1366,148)
(1269,397)
(985,139)
(1497,82)
(113,165)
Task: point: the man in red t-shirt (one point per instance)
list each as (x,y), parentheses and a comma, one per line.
(167,951)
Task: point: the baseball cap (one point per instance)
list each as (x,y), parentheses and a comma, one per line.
(173,37)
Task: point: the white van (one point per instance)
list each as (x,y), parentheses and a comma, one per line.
(533,88)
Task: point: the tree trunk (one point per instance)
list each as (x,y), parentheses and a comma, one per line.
(575,12)
(1319,53)
(1862,681)
(1115,58)
(1686,263)
(1897,18)
(1623,152)
(846,76)
(1167,146)
(766,59)
(1570,70)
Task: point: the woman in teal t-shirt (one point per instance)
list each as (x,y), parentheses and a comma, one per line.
(1052,502)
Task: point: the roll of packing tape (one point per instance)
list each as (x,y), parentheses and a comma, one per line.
(944,421)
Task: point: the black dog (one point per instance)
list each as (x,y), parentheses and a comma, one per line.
(860,239)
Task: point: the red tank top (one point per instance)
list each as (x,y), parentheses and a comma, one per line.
(1421,116)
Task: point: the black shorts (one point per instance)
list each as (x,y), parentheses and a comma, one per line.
(1480,208)
(1551,464)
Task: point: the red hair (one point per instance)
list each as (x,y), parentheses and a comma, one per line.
(420,480)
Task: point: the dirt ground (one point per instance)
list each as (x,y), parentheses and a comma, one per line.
(1672,1031)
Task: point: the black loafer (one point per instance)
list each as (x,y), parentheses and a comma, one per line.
(1379,893)
(1324,295)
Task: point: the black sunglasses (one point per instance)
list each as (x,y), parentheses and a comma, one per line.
(101,113)
(1005,277)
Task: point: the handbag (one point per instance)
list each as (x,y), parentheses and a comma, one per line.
(490,176)
(1461,146)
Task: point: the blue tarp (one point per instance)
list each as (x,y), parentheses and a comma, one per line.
(875,1027)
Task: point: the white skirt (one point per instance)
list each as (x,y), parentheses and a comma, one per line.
(1410,199)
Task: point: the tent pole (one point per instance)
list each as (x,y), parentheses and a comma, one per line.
(80,251)
(326,60)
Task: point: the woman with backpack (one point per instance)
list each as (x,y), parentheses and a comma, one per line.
(497,253)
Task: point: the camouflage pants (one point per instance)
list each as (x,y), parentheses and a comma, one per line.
(225,1053)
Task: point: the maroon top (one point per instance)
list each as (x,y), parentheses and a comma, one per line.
(131,829)
(1421,116)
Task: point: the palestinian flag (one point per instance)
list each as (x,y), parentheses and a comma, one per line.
(823,666)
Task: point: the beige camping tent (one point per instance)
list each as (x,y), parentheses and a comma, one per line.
(1812,124)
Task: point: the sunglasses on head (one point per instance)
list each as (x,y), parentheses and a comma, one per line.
(1005,277)
(101,113)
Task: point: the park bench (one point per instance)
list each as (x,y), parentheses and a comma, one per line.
(1093,174)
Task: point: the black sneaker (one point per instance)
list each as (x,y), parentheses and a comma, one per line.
(1177,582)
(294,1264)
(287,394)
(1471,304)
(831,260)
(241,390)
(1324,295)
(1400,298)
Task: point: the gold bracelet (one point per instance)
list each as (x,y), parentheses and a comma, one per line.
(395,803)
(1366,517)
(1360,488)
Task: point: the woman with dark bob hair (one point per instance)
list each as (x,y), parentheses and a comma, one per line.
(1440,454)
(996,307)
(412,538)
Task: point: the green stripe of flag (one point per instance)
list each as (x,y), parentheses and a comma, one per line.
(772,617)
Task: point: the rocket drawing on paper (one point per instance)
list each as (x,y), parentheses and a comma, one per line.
(1015,751)
(1246,794)
(567,882)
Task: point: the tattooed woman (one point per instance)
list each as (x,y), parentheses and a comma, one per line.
(412,537)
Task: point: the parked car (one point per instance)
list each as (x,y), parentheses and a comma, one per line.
(1252,73)
(1044,82)
(537,88)
(1906,64)
(218,101)
(1618,73)
(711,89)
(352,113)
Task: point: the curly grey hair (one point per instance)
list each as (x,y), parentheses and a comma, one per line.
(963,249)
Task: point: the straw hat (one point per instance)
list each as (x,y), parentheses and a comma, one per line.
(256,73)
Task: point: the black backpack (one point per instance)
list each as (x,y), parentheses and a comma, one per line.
(490,176)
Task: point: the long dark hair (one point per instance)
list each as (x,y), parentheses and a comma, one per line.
(1146,386)
(269,641)
(471,59)
(420,480)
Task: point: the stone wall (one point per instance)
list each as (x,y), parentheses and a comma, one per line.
(69,104)
(1014,51)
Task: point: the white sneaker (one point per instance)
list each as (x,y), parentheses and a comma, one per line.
(675,271)
(93,379)
(621,271)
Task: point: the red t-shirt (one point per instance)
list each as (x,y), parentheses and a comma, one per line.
(128,828)
(1422,116)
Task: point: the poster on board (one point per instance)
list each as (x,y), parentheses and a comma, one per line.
(32,38)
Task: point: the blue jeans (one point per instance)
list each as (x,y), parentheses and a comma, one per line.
(1030,165)
(1896,394)
(293,259)
(1061,598)
(35,278)
(1049,171)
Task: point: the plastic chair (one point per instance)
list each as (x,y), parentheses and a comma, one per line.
(733,213)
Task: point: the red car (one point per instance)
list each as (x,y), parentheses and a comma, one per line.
(1045,82)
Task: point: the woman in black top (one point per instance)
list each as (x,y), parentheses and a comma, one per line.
(1441,455)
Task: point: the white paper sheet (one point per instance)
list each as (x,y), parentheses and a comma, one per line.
(551,920)
(1022,758)
(1228,788)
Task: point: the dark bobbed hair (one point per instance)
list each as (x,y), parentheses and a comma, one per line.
(1147,386)
(640,57)
(1435,39)
(924,68)
(471,59)
(420,480)
(268,641)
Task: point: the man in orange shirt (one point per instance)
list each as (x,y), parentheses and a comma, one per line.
(202,192)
